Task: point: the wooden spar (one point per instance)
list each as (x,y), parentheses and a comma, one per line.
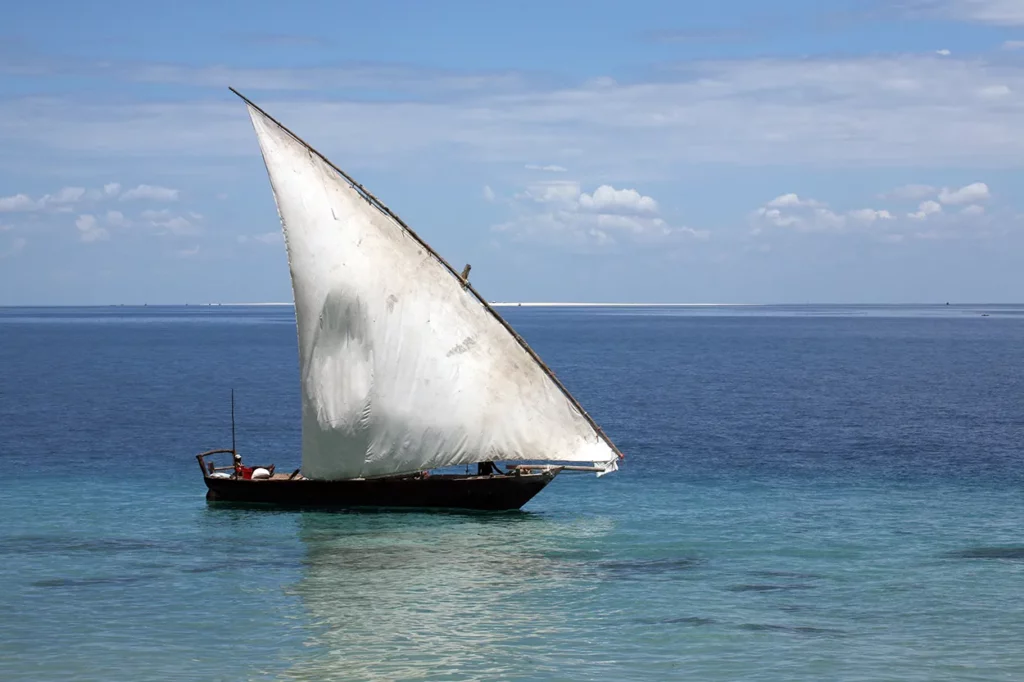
(201,458)
(563,467)
(379,205)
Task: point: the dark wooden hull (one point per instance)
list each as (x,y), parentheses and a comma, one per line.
(484,493)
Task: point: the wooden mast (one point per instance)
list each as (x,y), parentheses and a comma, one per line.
(233,450)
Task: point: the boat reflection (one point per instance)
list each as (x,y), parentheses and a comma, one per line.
(416,596)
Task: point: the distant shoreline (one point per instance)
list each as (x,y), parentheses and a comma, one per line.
(553,304)
(579,304)
(527,304)
(496,304)
(539,304)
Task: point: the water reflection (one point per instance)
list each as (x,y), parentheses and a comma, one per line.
(418,596)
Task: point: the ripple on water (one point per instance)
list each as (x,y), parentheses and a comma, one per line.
(681,620)
(1012,552)
(645,569)
(95,581)
(847,455)
(790,629)
(51,544)
(769,588)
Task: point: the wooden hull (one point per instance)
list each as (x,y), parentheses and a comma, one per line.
(484,493)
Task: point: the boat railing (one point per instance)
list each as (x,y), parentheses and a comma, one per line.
(210,467)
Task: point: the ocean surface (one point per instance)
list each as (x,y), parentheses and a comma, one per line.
(809,493)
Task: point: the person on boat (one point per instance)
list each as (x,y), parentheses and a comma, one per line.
(247,472)
(486,469)
(242,471)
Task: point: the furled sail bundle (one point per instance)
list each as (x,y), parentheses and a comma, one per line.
(404,367)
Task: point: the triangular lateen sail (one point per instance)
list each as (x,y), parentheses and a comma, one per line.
(402,367)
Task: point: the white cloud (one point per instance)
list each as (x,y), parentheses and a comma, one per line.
(89,230)
(883,110)
(816,220)
(177,225)
(791,212)
(788,200)
(168,222)
(775,217)
(547,169)
(96,224)
(116,219)
(929,221)
(488,193)
(968,194)
(943,53)
(18,202)
(1013,45)
(565,192)
(150,192)
(607,199)
(925,209)
(869,215)
(935,198)
(63,199)
(998,12)
(66,199)
(560,213)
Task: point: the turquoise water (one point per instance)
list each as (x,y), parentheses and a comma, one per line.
(809,493)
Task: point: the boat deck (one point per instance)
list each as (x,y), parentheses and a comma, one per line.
(452,491)
(492,492)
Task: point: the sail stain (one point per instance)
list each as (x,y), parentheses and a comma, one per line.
(339,400)
(392,300)
(466,344)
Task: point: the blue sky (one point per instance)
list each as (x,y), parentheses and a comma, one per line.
(734,151)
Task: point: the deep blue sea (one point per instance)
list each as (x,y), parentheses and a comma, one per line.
(809,493)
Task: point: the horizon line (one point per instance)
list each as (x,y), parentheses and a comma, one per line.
(525,304)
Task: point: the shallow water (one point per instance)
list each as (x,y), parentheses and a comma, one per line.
(809,493)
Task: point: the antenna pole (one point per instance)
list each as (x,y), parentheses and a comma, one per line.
(233,450)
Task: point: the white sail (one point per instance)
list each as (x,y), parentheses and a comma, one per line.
(402,368)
